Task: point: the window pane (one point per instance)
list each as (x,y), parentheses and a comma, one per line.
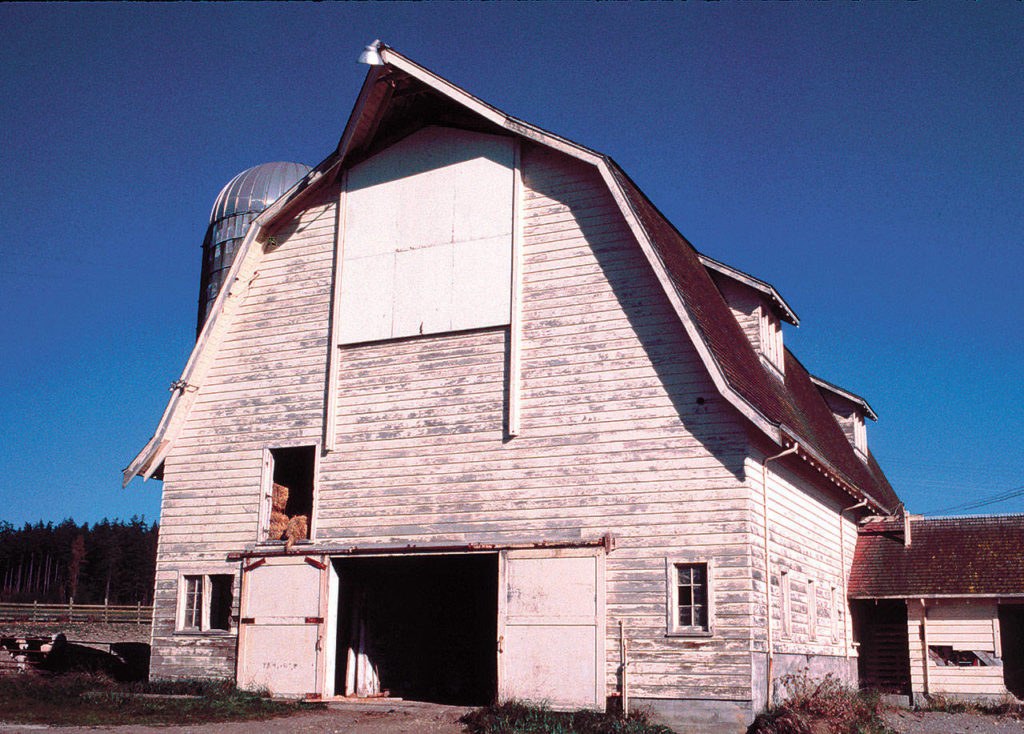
(193,601)
(692,595)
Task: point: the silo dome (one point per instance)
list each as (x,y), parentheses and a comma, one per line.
(237,205)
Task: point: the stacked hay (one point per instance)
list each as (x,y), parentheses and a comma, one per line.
(278,518)
(283,527)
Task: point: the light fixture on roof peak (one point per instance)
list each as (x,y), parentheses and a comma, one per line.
(371,54)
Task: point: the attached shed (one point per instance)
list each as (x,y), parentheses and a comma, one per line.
(938,605)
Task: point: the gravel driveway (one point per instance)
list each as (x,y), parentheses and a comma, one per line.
(934,722)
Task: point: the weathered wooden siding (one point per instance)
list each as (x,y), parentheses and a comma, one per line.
(965,625)
(805,533)
(613,437)
(265,388)
(746,306)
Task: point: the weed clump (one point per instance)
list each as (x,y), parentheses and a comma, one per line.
(826,705)
(517,717)
(1010,707)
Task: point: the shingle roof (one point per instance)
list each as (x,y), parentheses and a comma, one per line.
(796,404)
(947,557)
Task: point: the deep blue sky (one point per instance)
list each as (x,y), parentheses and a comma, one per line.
(865,158)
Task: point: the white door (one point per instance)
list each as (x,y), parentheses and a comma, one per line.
(281,626)
(551,627)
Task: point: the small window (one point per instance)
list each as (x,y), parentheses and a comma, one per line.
(205,602)
(286,512)
(946,655)
(689,604)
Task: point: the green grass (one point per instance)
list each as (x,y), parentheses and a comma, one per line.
(78,699)
(516,717)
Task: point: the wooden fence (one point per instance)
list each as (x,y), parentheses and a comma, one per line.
(137,614)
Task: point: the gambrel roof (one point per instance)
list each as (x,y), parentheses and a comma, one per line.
(397,98)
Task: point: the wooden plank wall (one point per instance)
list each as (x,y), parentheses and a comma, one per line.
(966,625)
(805,529)
(265,388)
(613,438)
(746,306)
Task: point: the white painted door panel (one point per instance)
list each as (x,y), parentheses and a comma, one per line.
(427,240)
(281,626)
(551,627)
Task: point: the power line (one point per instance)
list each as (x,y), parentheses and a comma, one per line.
(1001,497)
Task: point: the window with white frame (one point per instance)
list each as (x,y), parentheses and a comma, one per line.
(690,604)
(286,507)
(204,602)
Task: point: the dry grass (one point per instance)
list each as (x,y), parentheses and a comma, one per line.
(822,706)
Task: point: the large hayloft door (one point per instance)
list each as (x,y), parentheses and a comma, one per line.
(282,630)
(551,627)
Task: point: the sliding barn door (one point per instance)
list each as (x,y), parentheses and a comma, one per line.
(551,627)
(281,627)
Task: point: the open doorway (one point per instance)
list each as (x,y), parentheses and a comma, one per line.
(880,626)
(1011,633)
(418,627)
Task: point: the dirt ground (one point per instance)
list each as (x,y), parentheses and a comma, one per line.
(414,718)
(934,722)
(78,632)
(408,718)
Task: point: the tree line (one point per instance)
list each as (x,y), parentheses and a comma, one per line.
(112,561)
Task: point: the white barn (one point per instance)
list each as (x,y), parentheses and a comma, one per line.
(524,420)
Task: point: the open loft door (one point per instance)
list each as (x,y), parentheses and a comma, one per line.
(551,627)
(282,631)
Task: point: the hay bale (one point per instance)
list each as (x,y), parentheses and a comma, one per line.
(278,520)
(280,499)
(298,529)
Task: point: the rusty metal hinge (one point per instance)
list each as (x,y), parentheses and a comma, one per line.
(255,564)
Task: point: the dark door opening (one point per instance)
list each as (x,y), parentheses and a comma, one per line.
(1011,634)
(418,627)
(883,662)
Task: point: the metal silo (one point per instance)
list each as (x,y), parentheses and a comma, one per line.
(237,205)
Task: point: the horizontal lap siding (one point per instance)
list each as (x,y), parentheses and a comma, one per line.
(265,386)
(612,438)
(965,625)
(805,528)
